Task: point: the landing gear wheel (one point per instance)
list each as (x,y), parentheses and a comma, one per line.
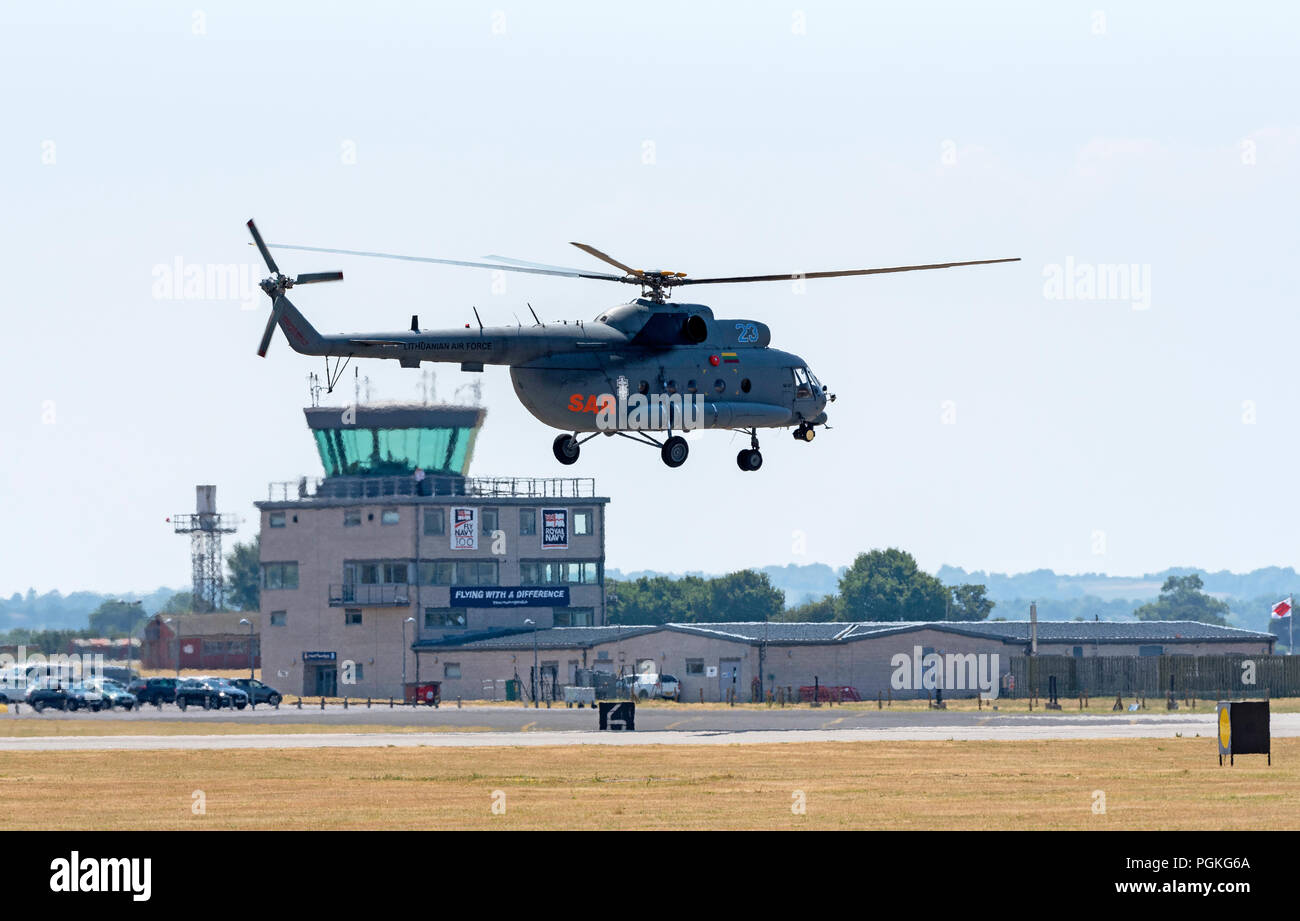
(565,448)
(805,433)
(749,459)
(674,451)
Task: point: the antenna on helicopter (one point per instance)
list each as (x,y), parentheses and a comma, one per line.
(534,313)
(480,319)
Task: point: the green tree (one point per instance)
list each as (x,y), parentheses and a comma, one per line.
(116,618)
(180,603)
(816,610)
(744,595)
(969,603)
(740,596)
(244,583)
(887,585)
(1181,598)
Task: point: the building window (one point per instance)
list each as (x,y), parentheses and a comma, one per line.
(390,516)
(442,618)
(459,572)
(1151,650)
(385,572)
(435,522)
(1078,652)
(695,666)
(275,520)
(583,521)
(574,617)
(279,618)
(358,672)
(527,521)
(352,518)
(280,575)
(552,572)
(352,617)
(451,669)
(490,519)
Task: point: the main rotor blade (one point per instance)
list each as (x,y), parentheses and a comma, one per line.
(605,257)
(313,277)
(499,266)
(266,254)
(797,275)
(273,319)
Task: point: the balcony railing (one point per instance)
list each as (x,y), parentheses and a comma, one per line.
(383,595)
(379,487)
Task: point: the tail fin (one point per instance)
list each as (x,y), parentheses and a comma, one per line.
(302,335)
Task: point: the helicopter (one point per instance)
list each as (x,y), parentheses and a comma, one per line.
(639,369)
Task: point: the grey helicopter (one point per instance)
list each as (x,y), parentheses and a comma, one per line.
(647,366)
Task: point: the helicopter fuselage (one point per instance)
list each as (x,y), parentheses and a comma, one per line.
(565,374)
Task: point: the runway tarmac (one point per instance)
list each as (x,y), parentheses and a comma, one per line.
(955,727)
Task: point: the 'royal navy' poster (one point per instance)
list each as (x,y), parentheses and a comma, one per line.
(555,528)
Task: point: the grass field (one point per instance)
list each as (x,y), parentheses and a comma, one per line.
(1147,784)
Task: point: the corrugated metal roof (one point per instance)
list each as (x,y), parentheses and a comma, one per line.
(551,638)
(787,634)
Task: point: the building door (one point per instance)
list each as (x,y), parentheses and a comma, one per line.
(327,681)
(728,678)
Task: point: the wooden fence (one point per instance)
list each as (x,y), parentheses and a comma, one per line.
(1217,676)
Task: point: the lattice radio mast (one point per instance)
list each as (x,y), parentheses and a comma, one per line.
(205,528)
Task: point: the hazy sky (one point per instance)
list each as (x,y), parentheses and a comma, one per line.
(996,417)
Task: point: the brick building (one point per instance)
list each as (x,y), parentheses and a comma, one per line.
(396,547)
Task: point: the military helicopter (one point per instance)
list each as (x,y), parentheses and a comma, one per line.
(647,366)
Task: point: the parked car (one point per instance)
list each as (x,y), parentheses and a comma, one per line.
(210,694)
(647,686)
(259,693)
(115,695)
(235,697)
(42,694)
(201,692)
(156,691)
(86,695)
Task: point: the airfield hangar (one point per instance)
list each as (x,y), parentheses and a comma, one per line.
(397,547)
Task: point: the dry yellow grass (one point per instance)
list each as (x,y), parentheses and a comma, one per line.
(1148,784)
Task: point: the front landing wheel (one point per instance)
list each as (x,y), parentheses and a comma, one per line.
(749,459)
(566,449)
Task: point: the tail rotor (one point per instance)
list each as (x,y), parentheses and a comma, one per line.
(276,284)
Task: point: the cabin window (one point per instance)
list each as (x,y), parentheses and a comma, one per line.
(720,385)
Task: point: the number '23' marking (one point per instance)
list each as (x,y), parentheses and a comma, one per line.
(746,332)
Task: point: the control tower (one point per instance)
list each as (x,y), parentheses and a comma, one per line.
(372,572)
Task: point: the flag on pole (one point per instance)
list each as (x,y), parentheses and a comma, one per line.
(1282,608)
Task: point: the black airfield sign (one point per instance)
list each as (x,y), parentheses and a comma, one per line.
(1244,729)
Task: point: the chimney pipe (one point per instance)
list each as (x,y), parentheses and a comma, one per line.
(1033,628)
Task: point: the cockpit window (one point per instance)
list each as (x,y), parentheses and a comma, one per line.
(803,385)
